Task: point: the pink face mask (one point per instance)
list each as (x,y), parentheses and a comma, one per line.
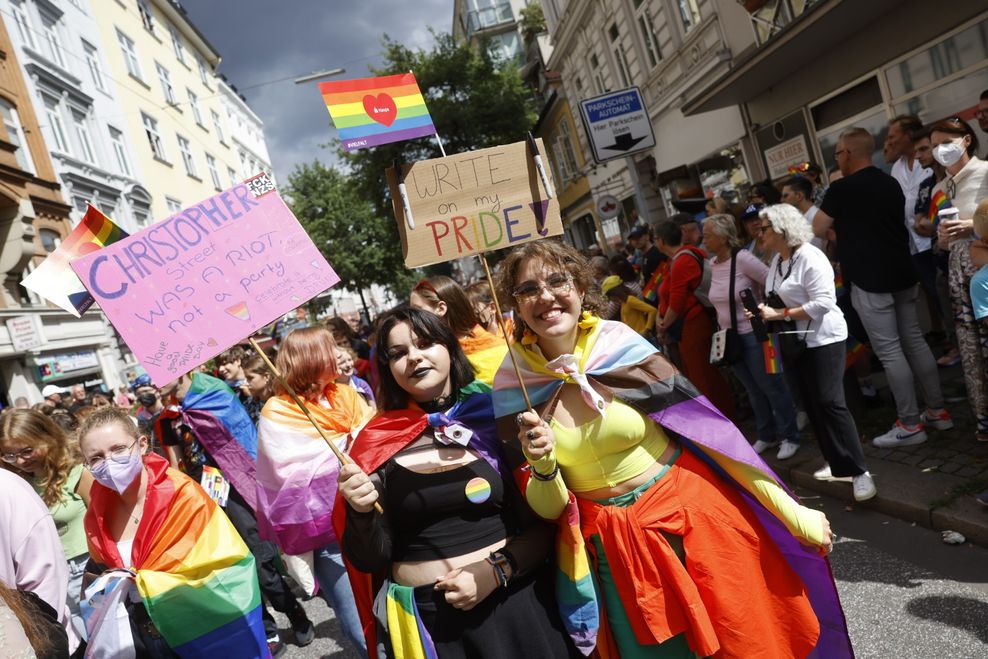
(118,472)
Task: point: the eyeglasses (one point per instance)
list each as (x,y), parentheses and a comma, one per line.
(557,284)
(23,454)
(840,151)
(119,455)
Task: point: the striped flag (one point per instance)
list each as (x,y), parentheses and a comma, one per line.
(651,290)
(855,349)
(937,204)
(773,355)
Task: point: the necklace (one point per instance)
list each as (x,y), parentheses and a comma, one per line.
(439,403)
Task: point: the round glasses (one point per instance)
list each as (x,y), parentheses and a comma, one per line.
(23,454)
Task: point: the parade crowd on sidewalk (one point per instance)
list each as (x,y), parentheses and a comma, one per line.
(609,506)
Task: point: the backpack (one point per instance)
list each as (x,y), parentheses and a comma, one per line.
(702,290)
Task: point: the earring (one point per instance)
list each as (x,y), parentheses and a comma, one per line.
(528,337)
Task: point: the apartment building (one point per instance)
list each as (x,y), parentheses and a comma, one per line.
(247,135)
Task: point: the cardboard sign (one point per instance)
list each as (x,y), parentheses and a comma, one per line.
(473,202)
(188,287)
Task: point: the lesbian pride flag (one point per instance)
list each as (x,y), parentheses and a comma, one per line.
(54,280)
(373,111)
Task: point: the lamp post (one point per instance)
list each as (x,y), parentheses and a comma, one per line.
(320,74)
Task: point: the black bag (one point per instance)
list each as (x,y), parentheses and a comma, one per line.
(792,342)
(733,350)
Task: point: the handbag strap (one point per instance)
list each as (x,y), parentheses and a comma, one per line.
(731,300)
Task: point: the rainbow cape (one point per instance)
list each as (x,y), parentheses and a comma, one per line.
(297,471)
(485,351)
(938,202)
(55,280)
(373,111)
(192,570)
(619,359)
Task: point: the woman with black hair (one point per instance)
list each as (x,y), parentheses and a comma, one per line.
(456,564)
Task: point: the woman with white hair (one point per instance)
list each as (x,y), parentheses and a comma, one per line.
(775,413)
(800,300)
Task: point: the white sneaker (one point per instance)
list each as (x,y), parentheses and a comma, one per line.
(802,420)
(864,487)
(824,474)
(901,435)
(787,449)
(940,420)
(761,446)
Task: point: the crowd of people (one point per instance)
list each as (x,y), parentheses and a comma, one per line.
(566,477)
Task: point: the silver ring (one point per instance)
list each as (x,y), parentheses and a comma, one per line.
(530,434)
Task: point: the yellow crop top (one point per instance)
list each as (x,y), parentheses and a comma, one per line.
(623,444)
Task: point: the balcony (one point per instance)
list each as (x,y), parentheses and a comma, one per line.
(479,20)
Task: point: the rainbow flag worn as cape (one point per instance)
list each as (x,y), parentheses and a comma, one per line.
(938,202)
(373,111)
(621,360)
(485,351)
(55,280)
(297,471)
(192,570)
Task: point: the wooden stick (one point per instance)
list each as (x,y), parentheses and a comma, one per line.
(504,332)
(340,455)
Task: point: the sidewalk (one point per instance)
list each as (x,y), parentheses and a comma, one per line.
(932,484)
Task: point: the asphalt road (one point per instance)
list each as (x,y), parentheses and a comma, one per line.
(906,595)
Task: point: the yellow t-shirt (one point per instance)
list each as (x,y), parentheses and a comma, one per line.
(637,314)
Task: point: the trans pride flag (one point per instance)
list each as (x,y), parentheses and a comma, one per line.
(54,280)
(192,570)
(373,111)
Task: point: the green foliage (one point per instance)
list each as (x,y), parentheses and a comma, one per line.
(532,21)
(360,243)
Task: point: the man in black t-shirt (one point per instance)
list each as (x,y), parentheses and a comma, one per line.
(866,210)
(641,238)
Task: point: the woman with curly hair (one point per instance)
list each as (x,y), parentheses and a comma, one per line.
(29,628)
(36,448)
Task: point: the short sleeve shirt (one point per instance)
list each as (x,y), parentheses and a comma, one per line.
(872,242)
(979,293)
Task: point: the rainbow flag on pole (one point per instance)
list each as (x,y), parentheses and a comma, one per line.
(54,279)
(855,349)
(373,111)
(937,204)
(773,355)
(651,290)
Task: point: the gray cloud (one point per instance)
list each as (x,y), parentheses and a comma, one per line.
(262,41)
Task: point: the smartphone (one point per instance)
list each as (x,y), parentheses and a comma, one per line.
(757,324)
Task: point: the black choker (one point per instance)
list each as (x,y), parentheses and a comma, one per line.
(439,404)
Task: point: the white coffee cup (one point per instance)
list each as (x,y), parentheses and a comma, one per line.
(949,214)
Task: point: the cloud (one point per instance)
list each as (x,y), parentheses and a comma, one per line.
(261,42)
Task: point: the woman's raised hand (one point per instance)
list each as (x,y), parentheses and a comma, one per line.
(357,488)
(535,435)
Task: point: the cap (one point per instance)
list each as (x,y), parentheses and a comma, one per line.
(610,283)
(751,211)
(679,219)
(141,381)
(637,232)
(51,389)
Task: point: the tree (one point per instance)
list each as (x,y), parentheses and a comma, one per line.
(532,21)
(358,242)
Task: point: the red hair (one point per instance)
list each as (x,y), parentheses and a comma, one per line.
(304,356)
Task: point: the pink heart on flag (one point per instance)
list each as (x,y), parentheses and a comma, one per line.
(381,108)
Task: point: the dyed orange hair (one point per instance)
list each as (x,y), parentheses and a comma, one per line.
(305,355)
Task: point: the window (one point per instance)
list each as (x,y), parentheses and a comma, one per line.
(194,104)
(213,172)
(203,72)
(15,135)
(649,38)
(50,240)
(619,58)
(154,137)
(82,135)
(53,41)
(173,205)
(92,61)
(166,84)
(177,44)
(54,115)
(146,16)
(186,149)
(129,55)
(216,125)
(27,296)
(689,13)
(596,72)
(24,28)
(232,175)
(120,151)
(563,154)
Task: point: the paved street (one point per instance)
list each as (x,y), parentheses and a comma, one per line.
(905,593)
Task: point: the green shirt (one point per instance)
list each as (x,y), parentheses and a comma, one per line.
(69,514)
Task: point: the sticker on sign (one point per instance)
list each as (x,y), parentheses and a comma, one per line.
(618,124)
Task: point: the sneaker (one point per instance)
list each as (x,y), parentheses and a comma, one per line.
(952,358)
(787,449)
(276,647)
(302,626)
(864,487)
(761,446)
(824,474)
(802,420)
(867,389)
(901,435)
(982,498)
(939,419)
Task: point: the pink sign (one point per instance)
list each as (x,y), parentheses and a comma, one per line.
(187,288)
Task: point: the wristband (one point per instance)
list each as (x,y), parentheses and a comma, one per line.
(785,314)
(498,562)
(546,477)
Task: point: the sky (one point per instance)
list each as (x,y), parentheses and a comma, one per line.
(264,41)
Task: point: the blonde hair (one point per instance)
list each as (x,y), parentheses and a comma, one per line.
(725,227)
(305,355)
(105,416)
(981,219)
(38,430)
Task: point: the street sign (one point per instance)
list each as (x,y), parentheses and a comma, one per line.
(608,207)
(24,333)
(617,124)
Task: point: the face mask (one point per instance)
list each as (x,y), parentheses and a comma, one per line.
(147,400)
(949,153)
(236,384)
(117,473)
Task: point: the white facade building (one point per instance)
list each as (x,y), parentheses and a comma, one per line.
(246,132)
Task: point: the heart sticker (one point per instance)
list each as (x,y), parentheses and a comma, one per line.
(381,108)
(211,342)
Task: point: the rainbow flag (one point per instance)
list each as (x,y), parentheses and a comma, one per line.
(839,284)
(373,111)
(855,350)
(54,279)
(773,355)
(651,290)
(939,201)
(193,572)
(485,351)
(409,637)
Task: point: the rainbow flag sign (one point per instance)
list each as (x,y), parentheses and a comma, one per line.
(373,111)
(54,280)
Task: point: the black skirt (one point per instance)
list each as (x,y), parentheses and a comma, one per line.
(518,621)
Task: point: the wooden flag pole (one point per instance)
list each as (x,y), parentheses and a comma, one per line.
(340,455)
(504,332)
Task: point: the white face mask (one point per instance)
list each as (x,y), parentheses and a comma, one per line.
(949,153)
